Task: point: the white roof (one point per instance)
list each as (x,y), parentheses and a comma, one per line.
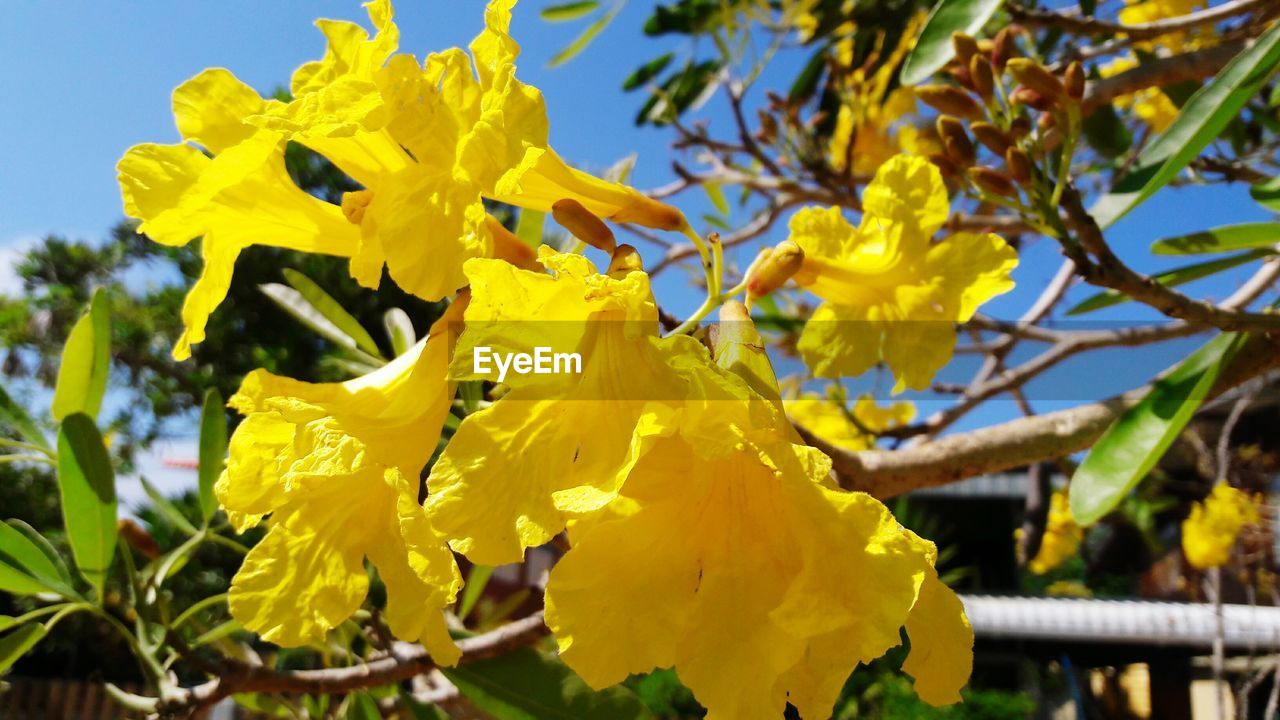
(1138,622)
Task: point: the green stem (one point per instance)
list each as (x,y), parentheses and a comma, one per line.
(191,611)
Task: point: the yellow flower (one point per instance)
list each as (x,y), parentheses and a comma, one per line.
(729,557)
(337,467)
(241,196)
(1210,531)
(1151,105)
(428,142)
(864,132)
(852,429)
(890,294)
(1061,539)
(571,432)
(1141,12)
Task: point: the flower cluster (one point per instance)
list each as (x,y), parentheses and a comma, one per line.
(1210,531)
(704,534)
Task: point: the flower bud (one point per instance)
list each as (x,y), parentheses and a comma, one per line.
(984,79)
(1073,81)
(1003,49)
(774,268)
(944,165)
(992,137)
(960,73)
(138,538)
(626,260)
(1020,127)
(506,246)
(950,100)
(965,46)
(1019,166)
(579,221)
(354,205)
(1033,75)
(956,141)
(993,181)
(1046,122)
(1026,96)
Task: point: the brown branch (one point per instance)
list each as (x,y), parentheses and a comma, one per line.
(383,671)
(1089,25)
(1160,72)
(886,473)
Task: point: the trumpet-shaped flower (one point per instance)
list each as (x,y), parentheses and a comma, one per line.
(728,556)
(1061,539)
(336,466)
(571,432)
(848,428)
(429,141)
(892,295)
(240,196)
(1210,531)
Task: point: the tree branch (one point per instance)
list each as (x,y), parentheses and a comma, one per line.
(1089,25)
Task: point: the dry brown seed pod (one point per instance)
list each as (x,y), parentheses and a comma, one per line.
(1019,166)
(993,181)
(991,137)
(950,100)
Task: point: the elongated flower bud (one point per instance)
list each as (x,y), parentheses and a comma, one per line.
(1019,166)
(1020,127)
(965,46)
(1073,81)
(774,269)
(588,228)
(956,141)
(626,259)
(992,137)
(1031,98)
(1003,49)
(984,79)
(993,181)
(950,100)
(944,165)
(1033,75)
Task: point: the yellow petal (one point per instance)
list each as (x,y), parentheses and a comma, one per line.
(211,107)
(251,485)
(971,269)
(916,349)
(822,232)
(840,341)
(907,190)
(206,293)
(941,657)
(350,51)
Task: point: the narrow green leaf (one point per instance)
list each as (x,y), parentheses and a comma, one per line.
(1106,133)
(933,49)
(1169,278)
(647,72)
(569,11)
(471,592)
(1267,194)
(332,310)
(25,568)
(362,706)
(6,622)
(716,222)
(88,488)
(529,227)
(50,552)
(584,39)
(15,644)
(1201,120)
(265,704)
(213,450)
(293,302)
(717,198)
(1226,238)
(165,507)
(1137,440)
(419,710)
(527,685)
(86,362)
(20,421)
(399,330)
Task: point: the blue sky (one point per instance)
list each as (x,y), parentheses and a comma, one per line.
(87,79)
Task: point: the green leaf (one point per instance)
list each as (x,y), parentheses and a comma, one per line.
(25,568)
(806,83)
(165,507)
(333,311)
(362,706)
(1267,194)
(933,49)
(584,39)
(527,685)
(1137,440)
(50,552)
(213,450)
(86,362)
(529,227)
(399,330)
(1226,238)
(17,419)
(1202,119)
(265,704)
(1169,278)
(717,222)
(569,11)
(6,622)
(471,592)
(717,198)
(15,644)
(647,72)
(294,303)
(419,710)
(1106,133)
(88,488)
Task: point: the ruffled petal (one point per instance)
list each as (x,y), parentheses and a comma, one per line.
(211,107)
(941,657)
(840,341)
(907,190)
(970,269)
